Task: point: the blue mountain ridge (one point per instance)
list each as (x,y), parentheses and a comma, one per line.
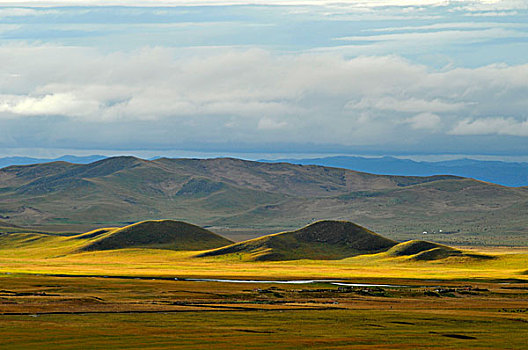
(513,174)
(8,161)
(503,173)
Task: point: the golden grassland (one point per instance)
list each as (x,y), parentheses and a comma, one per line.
(37,253)
(138,262)
(459,302)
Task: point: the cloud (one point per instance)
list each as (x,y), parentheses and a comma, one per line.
(24,12)
(271,124)
(491,126)
(411,105)
(424,121)
(448,26)
(489,5)
(465,4)
(492,14)
(53,104)
(437,37)
(161,97)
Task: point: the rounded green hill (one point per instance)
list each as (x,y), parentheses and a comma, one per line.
(165,234)
(321,240)
(418,247)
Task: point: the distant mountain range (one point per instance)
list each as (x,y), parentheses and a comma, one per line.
(502,173)
(231,194)
(8,161)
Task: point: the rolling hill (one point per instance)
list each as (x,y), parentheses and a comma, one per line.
(419,250)
(152,234)
(321,240)
(423,250)
(503,173)
(334,240)
(253,198)
(417,247)
(166,234)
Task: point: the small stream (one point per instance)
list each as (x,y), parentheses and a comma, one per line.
(369,285)
(254,281)
(333,282)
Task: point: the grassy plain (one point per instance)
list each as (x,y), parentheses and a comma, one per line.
(24,252)
(129,298)
(103,313)
(57,257)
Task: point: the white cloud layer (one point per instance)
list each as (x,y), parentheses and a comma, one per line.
(424,121)
(439,37)
(248,96)
(51,104)
(468,4)
(492,126)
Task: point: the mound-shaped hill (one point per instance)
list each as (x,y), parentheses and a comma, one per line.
(417,247)
(423,250)
(321,240)
(166,234)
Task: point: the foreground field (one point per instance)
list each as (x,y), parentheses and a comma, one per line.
(105,313)
(56,294)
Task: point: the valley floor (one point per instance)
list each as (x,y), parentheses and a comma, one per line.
(54,296)
(38,311)
(506,264)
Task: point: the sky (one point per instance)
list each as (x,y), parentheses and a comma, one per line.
(161,77)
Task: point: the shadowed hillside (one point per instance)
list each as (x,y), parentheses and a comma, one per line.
(320,240)
(166,234)
(227,194)
(504,173)
(423,250)
(416,247)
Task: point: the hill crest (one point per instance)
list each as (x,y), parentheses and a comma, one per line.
(165,234)
(419,250)
(326,240)
(414,247)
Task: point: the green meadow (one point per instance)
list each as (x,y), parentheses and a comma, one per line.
(132,287)
(75,254)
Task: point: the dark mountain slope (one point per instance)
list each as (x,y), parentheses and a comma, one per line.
(231,193)
(504,173)
(166,234)
(8,161)
(422,250)
(415,247)
(285,178)
(320,240)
